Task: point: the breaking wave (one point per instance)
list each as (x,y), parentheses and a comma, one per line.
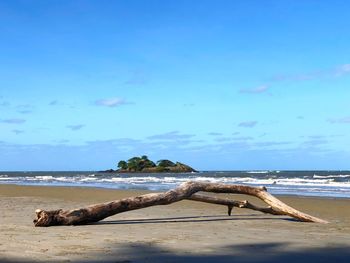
(323,183)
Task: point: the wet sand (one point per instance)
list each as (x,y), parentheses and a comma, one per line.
(186,231)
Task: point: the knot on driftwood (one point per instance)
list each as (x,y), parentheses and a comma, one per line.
(46,218)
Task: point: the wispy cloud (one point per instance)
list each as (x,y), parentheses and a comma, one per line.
(214,133)
(111,102)
(270,143)
(335,72)
(344,120)
(242,138)
(342,70)
(75,127)
(223,139)
(25,108)
(17,131)
(13,121)
(257,90)
(115,142)
(248,124)
(53,103)
(4,104)
(314,142)
(237,139)
(321,137)
(25,111)
(174,135)
(313,137)
(64,141)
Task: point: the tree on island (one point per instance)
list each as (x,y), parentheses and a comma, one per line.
(165,163)
(122,165)
(143,164)
(136,164)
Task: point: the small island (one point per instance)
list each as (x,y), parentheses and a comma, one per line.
(144,165)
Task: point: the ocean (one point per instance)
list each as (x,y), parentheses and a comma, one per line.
(301,183)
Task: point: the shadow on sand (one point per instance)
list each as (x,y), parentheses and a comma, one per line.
(253,253)
(258,253)
(191,219)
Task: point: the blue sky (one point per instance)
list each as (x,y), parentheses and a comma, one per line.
(220,85)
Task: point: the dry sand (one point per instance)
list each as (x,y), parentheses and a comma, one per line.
(183,232)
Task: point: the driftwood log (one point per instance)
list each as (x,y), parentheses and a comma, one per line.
(186,190)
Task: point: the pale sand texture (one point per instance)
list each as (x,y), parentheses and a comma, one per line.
(183,232)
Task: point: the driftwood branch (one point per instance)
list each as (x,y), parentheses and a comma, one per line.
(187,190)
(232,203)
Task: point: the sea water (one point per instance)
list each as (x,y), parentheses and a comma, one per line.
(303,183)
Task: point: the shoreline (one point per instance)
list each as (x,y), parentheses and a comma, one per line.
(185,231)
(314,184)
(150,191)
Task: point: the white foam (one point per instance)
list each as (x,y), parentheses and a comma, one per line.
(317,184)
(43,177)
(257,172)
(332,176)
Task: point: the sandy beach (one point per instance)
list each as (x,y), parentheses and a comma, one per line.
(183,232)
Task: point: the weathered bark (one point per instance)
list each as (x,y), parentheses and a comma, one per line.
(232,203)
(187,190)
